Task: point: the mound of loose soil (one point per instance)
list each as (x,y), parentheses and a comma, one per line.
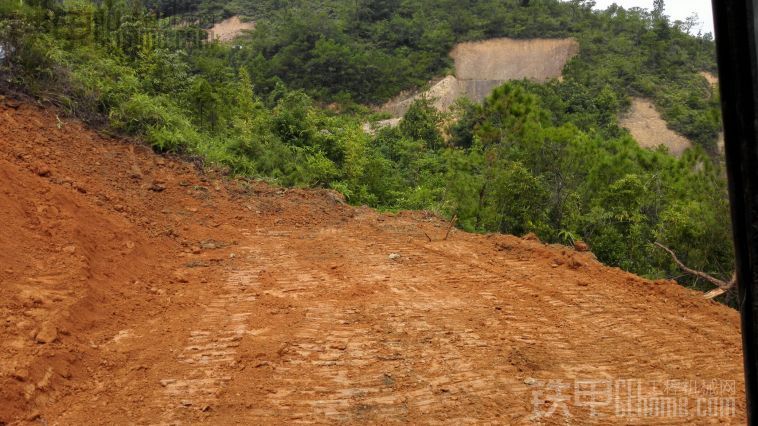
(136,290)
(650,130)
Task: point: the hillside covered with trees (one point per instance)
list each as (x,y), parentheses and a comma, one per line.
(287,103)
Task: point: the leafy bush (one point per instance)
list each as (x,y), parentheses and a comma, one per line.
(164,124)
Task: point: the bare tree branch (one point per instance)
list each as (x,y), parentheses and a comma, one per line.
(723,286)
(450,227)
(716,292)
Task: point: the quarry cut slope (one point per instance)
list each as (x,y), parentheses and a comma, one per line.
(483,65)
(508,59)
(135,289)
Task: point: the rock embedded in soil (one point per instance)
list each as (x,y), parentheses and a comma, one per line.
(181,277)
(47,334)
(21,374)
(42,170)
(581,246)
(157,187)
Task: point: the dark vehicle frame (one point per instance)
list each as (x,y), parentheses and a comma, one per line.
(737,47)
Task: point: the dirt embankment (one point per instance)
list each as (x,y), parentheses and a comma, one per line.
(136,288)
(482,66)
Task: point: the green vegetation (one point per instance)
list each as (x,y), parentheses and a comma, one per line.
(543,158)
(368,51)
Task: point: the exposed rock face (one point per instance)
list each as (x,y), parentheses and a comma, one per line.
(482,66)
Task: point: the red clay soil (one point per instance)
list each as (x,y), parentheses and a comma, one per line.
(136,290)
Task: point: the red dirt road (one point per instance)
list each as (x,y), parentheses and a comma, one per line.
(136,290)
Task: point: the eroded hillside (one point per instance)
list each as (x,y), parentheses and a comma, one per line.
(138,288)
(229,29)
(649,129)
(482,66)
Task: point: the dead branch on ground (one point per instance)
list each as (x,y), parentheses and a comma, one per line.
(450,227)
(723,286)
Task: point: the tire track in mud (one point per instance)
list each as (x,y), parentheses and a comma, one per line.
(391,356)
(433,335)
(441,336)
(211,350)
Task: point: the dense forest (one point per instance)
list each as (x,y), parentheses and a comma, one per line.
(287,102)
